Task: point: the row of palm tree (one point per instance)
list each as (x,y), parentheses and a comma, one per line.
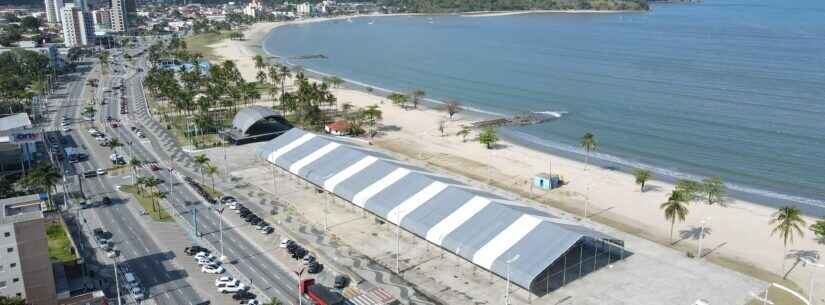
(207,168)
(149,185)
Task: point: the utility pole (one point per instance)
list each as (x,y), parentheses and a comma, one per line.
(398,242)
(117,283)
(220,228)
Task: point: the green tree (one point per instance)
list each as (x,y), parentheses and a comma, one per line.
(675,209)
(488,137)
(134,164)
(588,142)
(211,170)
(114,144)
(452,107)
(4,300)
(714,189)
(201,160)
(787,223)
(260,63)
(463,133)
(398,99)
(371,115)
(689,188)
(151,183)
(42,177)
(30,23)
(642,176)
(417,95)
(819,229)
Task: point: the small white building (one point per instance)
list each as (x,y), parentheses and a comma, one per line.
(304,9)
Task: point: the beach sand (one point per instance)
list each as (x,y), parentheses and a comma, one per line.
(737,235)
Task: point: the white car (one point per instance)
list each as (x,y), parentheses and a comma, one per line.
(66,129)
(232,289)
(93,130)
(101,172)
(226,281)
(212,269)
(284,243)
(253,302)
(204,255)
(206,261)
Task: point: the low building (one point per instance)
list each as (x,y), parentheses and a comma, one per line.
(25,269)
(255,123)
(19,144)
(338,128)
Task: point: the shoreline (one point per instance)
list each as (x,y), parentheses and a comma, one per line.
(741,227)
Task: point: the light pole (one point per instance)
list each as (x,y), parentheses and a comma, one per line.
(117,283)
(810,261)
(701,236)
(507,293)
(398,242)
(220,228)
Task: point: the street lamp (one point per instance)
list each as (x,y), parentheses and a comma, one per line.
(507,293)
(810,261)
(701,235)
(220,229)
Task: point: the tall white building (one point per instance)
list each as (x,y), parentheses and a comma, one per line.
(102,19)
(253,9)
(118,12)
(51,13)
(304,9)
(78,27)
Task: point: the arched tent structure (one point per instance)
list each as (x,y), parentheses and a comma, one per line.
(480,227)
(255,123)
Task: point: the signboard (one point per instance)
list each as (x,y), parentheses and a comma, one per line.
(25,137)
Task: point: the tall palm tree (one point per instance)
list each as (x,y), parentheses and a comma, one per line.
(211,170)
(152,182)
(134,164)
(642,176)
(43,177)
(259,62)
(201,160)
(588,142)
(114,143)
(788,223)
(371,116)
(675,209)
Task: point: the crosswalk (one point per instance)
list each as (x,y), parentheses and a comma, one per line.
(373,296)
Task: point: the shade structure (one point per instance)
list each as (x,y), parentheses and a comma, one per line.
(481,227)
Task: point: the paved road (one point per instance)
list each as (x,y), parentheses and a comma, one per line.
(139,253)
(251,265)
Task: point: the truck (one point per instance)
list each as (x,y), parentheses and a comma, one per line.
(319,294)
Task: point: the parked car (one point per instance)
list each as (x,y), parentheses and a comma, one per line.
(106,200)
(228,199)
(255,221)
(194,250)
(243,296)
(309,259)
(212,269)
(204,255)
(314,267)
(231,289)
(226,281)
(261,225)
(286,242)
(267,230)
(154,167)
(101,172)
(203,261)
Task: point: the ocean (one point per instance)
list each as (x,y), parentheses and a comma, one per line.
(730,88)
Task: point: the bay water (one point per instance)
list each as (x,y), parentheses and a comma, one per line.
(731,88)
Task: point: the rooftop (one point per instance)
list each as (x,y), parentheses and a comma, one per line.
(22,208)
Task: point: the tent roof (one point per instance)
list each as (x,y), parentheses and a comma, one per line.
(248,116)
(479,226)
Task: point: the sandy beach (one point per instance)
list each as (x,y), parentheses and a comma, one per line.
(737,235)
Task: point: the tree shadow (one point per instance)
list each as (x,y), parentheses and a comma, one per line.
(820,240)
(652,188)
(387,128)
(694,233)
(798,255)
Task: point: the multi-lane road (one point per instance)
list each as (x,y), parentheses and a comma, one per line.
(139,253)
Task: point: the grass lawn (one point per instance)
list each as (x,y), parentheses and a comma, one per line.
(146,203)
(199,43)
(60,249)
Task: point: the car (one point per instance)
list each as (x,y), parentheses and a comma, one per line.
(65,123)
(261,225)
(154,167)
(115,125)
(286,242)
(106,200)
(246,213)
(255,221)
(309,259)
(236,206)
(226,281)
(231,289)
(267,230)
(228,199)
(203,261)
(112,253)
(194,250)
(137,293)
(341,281)
(314,267)
(204,255)
(243,296)
(101,172)
(66,129)
(253,302)
(212,269)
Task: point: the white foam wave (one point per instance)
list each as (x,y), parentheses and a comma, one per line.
(556,114)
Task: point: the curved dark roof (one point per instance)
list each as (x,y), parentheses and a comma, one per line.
(246,117)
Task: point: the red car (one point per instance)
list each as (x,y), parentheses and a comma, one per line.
(115,125)
(154,167)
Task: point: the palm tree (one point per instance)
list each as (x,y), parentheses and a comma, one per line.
(259,62)
(416,97)
(134,164)
(202,160)
(588,142)
(642,176)
(44,176)
(463,133)
(114,143)
(211,170)
(152,182)
(675,209)
(371,115)
(788,222)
